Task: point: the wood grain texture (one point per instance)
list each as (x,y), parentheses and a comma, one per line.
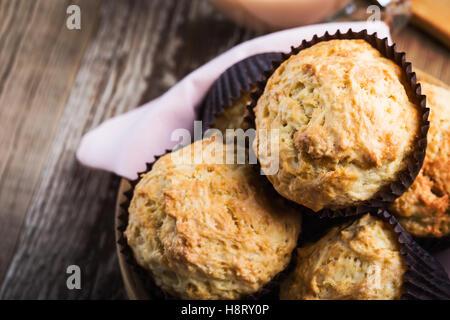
(39,60)
(136,50)
(140,49)
(424,52)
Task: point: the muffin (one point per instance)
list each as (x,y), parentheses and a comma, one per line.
(424,209)
(209,230)
(234,116)
(347,125)
(359,261)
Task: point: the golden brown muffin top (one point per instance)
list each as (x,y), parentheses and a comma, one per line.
(346,124)
(207,230)
(360,261)
(424,209)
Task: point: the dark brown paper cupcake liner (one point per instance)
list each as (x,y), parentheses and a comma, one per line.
(153,291)
(425,278)
(434,244)
(405,178)
(235,81)
(270,291)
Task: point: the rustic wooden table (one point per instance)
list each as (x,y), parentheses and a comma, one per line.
(55,85)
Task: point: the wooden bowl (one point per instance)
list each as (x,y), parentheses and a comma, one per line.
(133,284)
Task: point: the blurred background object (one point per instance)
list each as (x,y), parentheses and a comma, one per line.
(395,13)
(433,16)
(270,15)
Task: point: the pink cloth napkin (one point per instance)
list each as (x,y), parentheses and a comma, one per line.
(125,143)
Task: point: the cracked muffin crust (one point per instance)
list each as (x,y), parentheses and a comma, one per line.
(360,261)
(207,230)
(424,209)
(346,123)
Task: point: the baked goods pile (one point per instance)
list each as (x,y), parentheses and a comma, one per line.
(349,127)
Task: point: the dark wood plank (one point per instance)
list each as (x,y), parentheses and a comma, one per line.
(141,48)
(39,59)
